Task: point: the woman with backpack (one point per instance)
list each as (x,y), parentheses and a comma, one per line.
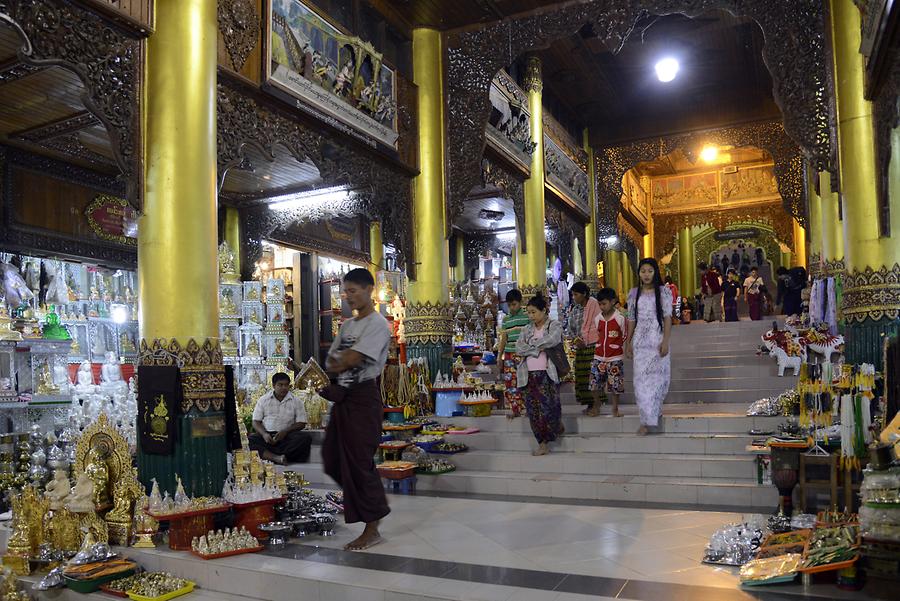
(541,360)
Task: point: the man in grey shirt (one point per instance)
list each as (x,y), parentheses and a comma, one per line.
(355,362)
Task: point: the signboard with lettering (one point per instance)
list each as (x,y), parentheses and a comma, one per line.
(747,232)
(113,219)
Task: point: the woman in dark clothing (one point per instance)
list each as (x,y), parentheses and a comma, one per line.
(793,304)
(782,278)
(731,288)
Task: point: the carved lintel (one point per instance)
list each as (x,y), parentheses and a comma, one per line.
(376,191)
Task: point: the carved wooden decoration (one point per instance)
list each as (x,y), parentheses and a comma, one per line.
(510,187)
(795,52)
(239,24)
(377,191)
(58,33)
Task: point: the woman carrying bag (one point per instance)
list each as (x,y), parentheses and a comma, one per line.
(543,363)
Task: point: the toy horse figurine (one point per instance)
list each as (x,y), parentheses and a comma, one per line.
(784,360)
(824,344)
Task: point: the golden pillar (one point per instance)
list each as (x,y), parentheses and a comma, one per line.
(816,228)
(799,244)
(429,327)
(687,263)
(233,234)
(612,272)
(459,272)
(832,226)
(871,298)
(177,266)
(532,264)
(590,230)
(376,248)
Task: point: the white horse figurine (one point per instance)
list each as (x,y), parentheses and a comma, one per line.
(784,360)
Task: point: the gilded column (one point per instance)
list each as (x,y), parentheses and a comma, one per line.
(590,230)
(612,272)
(871,285)
(799,253)
(816,229)
(376,248)
(532,263)
(177,266)
(459,272)
(832,227)
(233,234)
(429,327)
(687,263)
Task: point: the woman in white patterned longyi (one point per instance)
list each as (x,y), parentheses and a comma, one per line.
(649,326)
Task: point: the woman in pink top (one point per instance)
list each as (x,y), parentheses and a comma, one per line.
(585,341)
(537,376)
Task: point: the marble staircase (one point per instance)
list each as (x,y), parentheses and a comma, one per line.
(699,459)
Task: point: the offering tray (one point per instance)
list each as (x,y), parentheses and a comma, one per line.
(228,553)
(92,584)
(182,591)
(853,552)
(457,448)
(401,427)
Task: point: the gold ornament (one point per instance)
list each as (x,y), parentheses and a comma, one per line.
(64,530)
(98,472)
(46,385)
(227,269)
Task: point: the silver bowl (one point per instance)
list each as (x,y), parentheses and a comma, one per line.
(278,532)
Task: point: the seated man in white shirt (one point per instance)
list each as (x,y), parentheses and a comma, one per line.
(278,421)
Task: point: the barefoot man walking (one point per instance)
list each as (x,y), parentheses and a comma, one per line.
(355,360)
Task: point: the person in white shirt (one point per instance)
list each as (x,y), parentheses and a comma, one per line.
(278,420)
(753,285)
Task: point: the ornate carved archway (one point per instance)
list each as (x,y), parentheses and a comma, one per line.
(55,33)
(794,51)
(613,162)
(377,191)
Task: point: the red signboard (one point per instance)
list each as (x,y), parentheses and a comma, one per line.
(113,219)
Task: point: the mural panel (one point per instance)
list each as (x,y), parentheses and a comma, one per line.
(330,72)
(749,184)
(684,192)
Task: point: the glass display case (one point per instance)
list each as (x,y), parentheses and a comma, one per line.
(274,290)
(252,292)
(43,371)
(229,337)
(251,342)
(9,396)
(230,300)
(277,346)
(253,313)
(79,330)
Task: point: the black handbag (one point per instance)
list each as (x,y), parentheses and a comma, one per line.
(557,354)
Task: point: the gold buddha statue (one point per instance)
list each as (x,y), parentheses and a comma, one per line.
(126,343)
(229,346)
(46,385)
(253,295)
(252,348)
(279,348)
(226,304)
(228,273)
(6,330)
(97,470)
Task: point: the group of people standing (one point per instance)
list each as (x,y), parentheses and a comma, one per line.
(534,361)
(720,295)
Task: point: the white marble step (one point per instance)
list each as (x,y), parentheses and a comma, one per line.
(718,492)
(737,467)
(670,422)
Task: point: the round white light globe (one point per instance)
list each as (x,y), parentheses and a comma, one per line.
(667,69)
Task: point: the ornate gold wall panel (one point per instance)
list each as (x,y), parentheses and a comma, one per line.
(202,372)
(872,294)
(429,323)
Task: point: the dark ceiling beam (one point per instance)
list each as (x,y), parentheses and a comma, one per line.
(59,127)
(394,18)
(13,69)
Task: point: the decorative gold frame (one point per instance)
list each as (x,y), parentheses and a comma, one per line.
(98,201)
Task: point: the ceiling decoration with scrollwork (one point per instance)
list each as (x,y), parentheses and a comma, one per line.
(494,174)
(612,163)
(376,191)
(106,60)
(795,53)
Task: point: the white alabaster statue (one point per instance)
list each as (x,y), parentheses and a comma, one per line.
(57,491)
(111,375)
(85,378)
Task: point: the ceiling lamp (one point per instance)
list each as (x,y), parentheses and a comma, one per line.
(666,69)
(709,153)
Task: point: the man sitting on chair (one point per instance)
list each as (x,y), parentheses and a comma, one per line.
(278,420)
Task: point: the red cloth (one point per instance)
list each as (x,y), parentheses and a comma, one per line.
(127,371)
